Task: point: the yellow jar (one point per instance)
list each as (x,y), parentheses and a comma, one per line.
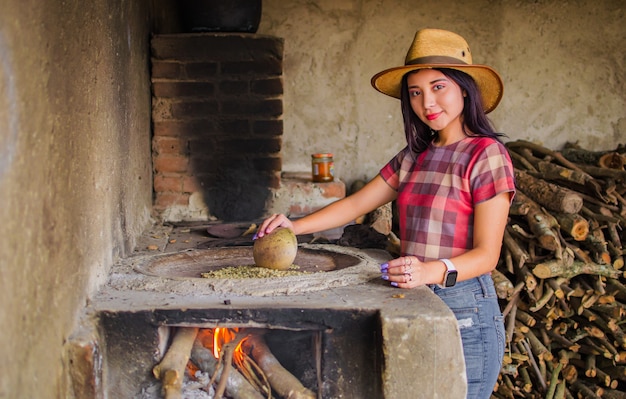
(323,167)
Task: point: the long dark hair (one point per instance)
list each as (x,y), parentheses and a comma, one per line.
(475,122)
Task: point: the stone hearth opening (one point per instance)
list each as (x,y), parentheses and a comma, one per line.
(335,353)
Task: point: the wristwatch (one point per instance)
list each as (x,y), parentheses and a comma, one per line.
(449,279)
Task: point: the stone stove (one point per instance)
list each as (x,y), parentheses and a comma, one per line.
(377,341)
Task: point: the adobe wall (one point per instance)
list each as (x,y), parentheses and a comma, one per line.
(562,63)
(75,171)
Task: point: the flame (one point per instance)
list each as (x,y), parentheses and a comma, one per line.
(222,336)
(216,339)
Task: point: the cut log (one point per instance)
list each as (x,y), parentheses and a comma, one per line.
(504,286)
(618,263)
(538,348)
(603,173)
(559,174)
(550,171)
(554,381)
(541,224)
(533,362)
(171,369)
(527,384)
(579,155)
(573,224)
(555,268)
(612,160)
(548,195)
(613,394)
(281,380)
(545,298)
(514,297)
(536,148)
(598,245)
(519,254)
(518,208)
(577,251)
(510,321)
(526,318)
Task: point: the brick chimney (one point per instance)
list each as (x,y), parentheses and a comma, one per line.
(217,124)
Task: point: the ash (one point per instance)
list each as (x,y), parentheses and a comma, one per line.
(192,388)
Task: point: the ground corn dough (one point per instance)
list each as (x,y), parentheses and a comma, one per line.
(253,271)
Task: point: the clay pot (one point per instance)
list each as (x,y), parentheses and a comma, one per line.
(220,15)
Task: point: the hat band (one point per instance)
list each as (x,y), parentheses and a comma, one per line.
(435,59)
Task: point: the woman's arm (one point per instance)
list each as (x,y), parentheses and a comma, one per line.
(374,194)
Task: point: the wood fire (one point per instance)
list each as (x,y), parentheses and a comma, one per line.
(238,361)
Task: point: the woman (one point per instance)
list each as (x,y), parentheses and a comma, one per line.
(453,183)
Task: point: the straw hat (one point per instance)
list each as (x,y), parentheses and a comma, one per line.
(436,48)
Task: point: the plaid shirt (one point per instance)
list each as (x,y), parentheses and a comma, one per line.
(438,191)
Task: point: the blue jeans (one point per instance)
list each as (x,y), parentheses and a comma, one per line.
(475,306)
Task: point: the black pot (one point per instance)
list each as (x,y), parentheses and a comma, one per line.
(220,15)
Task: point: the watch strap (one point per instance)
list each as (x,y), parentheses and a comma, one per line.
(451,274)
(449,264)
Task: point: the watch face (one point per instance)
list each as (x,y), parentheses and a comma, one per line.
(450,278)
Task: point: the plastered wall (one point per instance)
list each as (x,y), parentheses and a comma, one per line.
(563,64)
(75,171)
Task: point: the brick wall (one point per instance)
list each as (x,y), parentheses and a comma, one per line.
(217,124)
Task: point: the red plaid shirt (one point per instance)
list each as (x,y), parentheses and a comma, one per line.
(438,191)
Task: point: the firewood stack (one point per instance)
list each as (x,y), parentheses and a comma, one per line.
(560,277)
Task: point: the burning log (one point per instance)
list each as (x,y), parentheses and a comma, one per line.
(236,385)
(171,370)
(281,380)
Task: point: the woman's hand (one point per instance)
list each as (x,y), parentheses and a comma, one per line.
(405,272)
(271,223)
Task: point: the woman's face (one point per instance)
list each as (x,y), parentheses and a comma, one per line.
(436,99)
